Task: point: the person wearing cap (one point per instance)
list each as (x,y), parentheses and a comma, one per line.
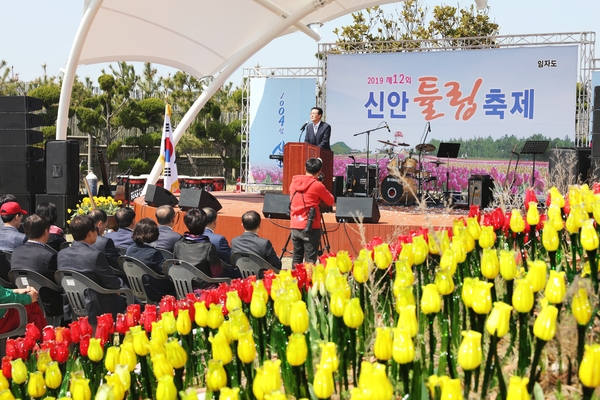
(10,237)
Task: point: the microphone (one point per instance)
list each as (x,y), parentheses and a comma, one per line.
(429,127)
(304,126)
(388,127)
(352,157)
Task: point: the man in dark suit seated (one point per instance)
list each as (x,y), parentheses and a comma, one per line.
(125,218)
(104,244)
(165,216)
(35,256)
(220,242)
(82,258)
(250,242)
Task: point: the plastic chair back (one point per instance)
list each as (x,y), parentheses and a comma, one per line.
(135,270)
(168,255)
(64,245)
(250,264)
(182,273)
(23,278)
(122,250)
(20,330)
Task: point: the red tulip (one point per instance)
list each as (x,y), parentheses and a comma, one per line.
(108,322)
(32,331)
(121,324)
(530,197)
(84,326)
(61,353)
(75,331)
(84,344)
(167,303)
(101,333)
(268,280)
(475,211)
(324,257)
(148,317)
(299,273)
(567,207)
(23,348)
(7,367)
(498,218)
(62,334)
(132,315)
(11,348)
(376,241)
(48,346)
(48,333)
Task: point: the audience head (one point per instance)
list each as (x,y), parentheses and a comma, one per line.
(36,227)
(251,220)
(125,217)
(211,215)
(100,219)
(81,226)
(165,215)
(11,212)
(145,231)
(48,210)
(5,198)
(313,165)
(195,221)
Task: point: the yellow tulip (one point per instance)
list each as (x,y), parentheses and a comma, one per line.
(269,380)
(233,301)
(201,313)
(104,392)
(469,352)
(323,382)
(127,356)
(299,317)
(556,197)
(276,395)
(533,216)
(474,228)
(451,390)
(366,374)
(191,394)
(166,390)
(517,388)
(482,297)
(517,223)
(161,366)
(318,280)
(508,264)
(156,347)
(122,371)
(544,326)
(420,250)
(522,298)
(112,358)
(6,394)
(225,330)
(353,314)
(490,266)
(433,241)
(283,309)
(246,349)
(432,384)
(116,386)
(537,274)
(80,389)
(555,215)
(216,377)
(238,322)
(169,323)
(431,302)
(296,350)
(581,307)
(175,353)
(215,316)
(467,240)
(403,349)
(329,355)
(406,254)
(588,236)
(408,318)
(226,394)
(405,297)
(36,387)
(498,323)
(141,344)
(556,289)
(448,261)
(487,238)
(221,350)
(573,223)
(258,306)
(362,266)
(381,386)
(404,276)
(550,236)
(383,348)
(589,370)
(53,376)
(158,333)
(19,371)
(344,263)
(458,248)
(444,281)
(338,303)
(184,323)
(466,293)
(43,359)
(382,256)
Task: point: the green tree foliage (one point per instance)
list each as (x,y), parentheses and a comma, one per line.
(340,148)
(10,85)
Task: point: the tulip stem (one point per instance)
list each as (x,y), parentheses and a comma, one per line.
(587,393)
(468,374)
(405,381)
(509,291)
(523,346)
(593,268)
(539,345)
(552,255)
(580,342)
(449,356)
(432,343)
(489,368)
(532,239)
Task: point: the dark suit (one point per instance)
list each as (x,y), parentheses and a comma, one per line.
(121,238)
(322,136)
(10,238)
(250,242)
(36,257)
(166,238)
(155,289)
(107,247)
(224,250)
(92,263)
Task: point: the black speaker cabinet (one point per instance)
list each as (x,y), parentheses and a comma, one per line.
(63,202)
(569,166)
(26,201)
(198,198)
(356,179)
(596,97)
(481,189)
(338,187)
(349,208)
(22,177)
(276,206)
(20,137)
(21,153)
(19,104)
(158,196)
(20,120)
(62,167)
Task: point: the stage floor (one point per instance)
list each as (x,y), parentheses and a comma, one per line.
(394,221)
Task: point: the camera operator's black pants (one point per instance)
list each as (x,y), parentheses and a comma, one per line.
(306,245)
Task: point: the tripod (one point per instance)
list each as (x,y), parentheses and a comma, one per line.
(324,245)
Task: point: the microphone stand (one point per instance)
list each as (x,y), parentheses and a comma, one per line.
(420,165)
(368,132)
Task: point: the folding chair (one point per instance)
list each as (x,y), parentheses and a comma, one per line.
(168,255)
(182,273)
(250,264)
(135,270)
(122,250)
(23,278)
(18,331)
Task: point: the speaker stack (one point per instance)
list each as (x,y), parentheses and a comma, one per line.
(481,190)
(595,159)
(21,156)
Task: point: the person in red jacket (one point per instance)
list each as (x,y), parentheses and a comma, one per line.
(306,193)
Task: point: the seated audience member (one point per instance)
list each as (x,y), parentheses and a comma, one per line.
(195,247)
(81,257)
(5,198)
(250,242)
(125,218)
(220,242)
(165,216)
(57,236)
(35,256)
(9,319)
(104,244)
(145,232)
(10,237)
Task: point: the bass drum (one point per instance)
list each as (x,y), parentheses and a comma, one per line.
(394,190)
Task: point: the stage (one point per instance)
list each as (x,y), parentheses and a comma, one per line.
(394,221)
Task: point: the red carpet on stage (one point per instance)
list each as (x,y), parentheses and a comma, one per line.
(394,221)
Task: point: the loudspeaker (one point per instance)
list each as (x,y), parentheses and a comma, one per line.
(596,121)
(22,177)
(19,104)
(596,97)
(62,167)
(349,208)
(21,137)
(158,196)
(198,198)
(276,206)
(569,166)
(338,187)
(481,190)
(20,120)
(21,153)
(62,203)
(596,143)
(356,178)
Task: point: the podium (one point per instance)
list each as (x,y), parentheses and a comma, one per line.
(295,155)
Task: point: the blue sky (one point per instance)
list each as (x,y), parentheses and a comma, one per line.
(35,32)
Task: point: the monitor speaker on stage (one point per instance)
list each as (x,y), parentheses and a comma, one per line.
(276,206)
(198,198)
(481,188)
(350,208)
(62,167)
(158,196)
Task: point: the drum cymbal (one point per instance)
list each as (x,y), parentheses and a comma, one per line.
(402,144)
(437,162)
(387,143)
(425,148)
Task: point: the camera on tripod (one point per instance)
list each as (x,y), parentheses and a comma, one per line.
(312,212)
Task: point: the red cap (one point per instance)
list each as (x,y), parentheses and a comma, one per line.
(12,208)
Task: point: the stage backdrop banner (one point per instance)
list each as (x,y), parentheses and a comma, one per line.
(459,94)
(278,109)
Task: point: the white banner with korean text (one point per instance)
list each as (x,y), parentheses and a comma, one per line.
(458,94)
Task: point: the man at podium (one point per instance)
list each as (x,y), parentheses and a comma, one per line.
(318,132)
